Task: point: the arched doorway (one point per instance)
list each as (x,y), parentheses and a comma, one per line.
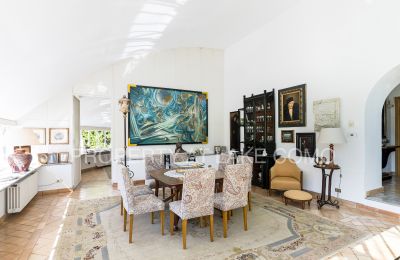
(373,127)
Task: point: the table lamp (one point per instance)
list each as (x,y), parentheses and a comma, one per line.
(20,160)
(331,136)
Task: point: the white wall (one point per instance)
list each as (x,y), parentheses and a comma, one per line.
(340,49)
(199,69)
(54,113)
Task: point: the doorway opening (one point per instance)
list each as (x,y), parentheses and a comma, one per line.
(390,194)
(95,133)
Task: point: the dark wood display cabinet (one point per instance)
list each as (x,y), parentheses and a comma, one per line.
(259,134)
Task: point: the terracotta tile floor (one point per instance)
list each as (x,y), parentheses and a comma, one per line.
(32,234)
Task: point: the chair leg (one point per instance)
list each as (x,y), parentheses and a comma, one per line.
(225,222)
(184,226)
(231,213)
(152,217)
(245,218)
(122,206)
(125,213)
(249,200)
(163,192)
(211,228)
(162,217)
(130,227)
(171,222)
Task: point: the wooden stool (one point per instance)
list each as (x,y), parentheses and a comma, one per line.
(298,195)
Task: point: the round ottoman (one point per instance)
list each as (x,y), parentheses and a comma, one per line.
(298,195)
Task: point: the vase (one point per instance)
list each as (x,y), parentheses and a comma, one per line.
(20,161)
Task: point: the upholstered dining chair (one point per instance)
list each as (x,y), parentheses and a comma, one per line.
(234,192)
(154,162)
(135,190)
(224,160)
(250,160)
(139,204)
(180,157)
(197,200)
(285,175)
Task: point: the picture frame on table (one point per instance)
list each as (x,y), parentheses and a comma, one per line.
(43,158)
(305,144)
(292,106)
(58,135)
(52,158)
(287,136)
(26,148)
(63,157)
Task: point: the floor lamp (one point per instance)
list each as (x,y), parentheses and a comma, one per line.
(124,103)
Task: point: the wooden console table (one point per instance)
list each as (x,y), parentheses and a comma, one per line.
(322,199)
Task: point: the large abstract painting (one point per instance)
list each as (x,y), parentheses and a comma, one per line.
(167,116)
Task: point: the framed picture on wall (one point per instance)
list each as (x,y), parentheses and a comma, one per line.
(287,136)
(292,106)
(43,158)
(59,136)
(305,144)
(40,134)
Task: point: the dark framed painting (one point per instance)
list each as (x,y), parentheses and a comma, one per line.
(292,106)
(305,144)
(287,136)
(166,116)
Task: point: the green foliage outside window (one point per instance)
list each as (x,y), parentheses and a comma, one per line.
(93,139)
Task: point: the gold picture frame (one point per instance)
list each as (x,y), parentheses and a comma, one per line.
(292,106)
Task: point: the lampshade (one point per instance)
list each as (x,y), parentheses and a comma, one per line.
(331,136)
(20,136)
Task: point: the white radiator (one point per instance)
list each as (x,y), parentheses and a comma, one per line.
(21,193)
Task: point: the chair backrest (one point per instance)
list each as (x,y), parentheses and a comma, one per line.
(285,167)
(198,193)
(224,160)
(242,159)
(153,162)
(125,186)
(180,157)
(236,184)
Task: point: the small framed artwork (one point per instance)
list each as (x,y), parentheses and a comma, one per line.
(43,158)
(305,144)
(217,149)
(59,136)
(52,158)
(292,106)
(40,134)
(287,136)
(63,157)
(25,148)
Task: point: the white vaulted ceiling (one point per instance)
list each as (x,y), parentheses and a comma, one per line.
(46,45)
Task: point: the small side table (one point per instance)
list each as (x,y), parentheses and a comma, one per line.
(321,200)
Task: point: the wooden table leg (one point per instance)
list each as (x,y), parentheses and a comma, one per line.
(156,188)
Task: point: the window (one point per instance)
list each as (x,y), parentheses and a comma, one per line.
(95,139)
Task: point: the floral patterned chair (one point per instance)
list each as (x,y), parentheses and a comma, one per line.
(250,160)
(179,157)
(154,162)
(139,204)
(234,193)
(135,190)
(197,200)
(225,159)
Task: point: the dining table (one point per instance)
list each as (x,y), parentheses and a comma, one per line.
(176,184)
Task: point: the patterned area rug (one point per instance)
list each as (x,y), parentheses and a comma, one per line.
(93,230)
